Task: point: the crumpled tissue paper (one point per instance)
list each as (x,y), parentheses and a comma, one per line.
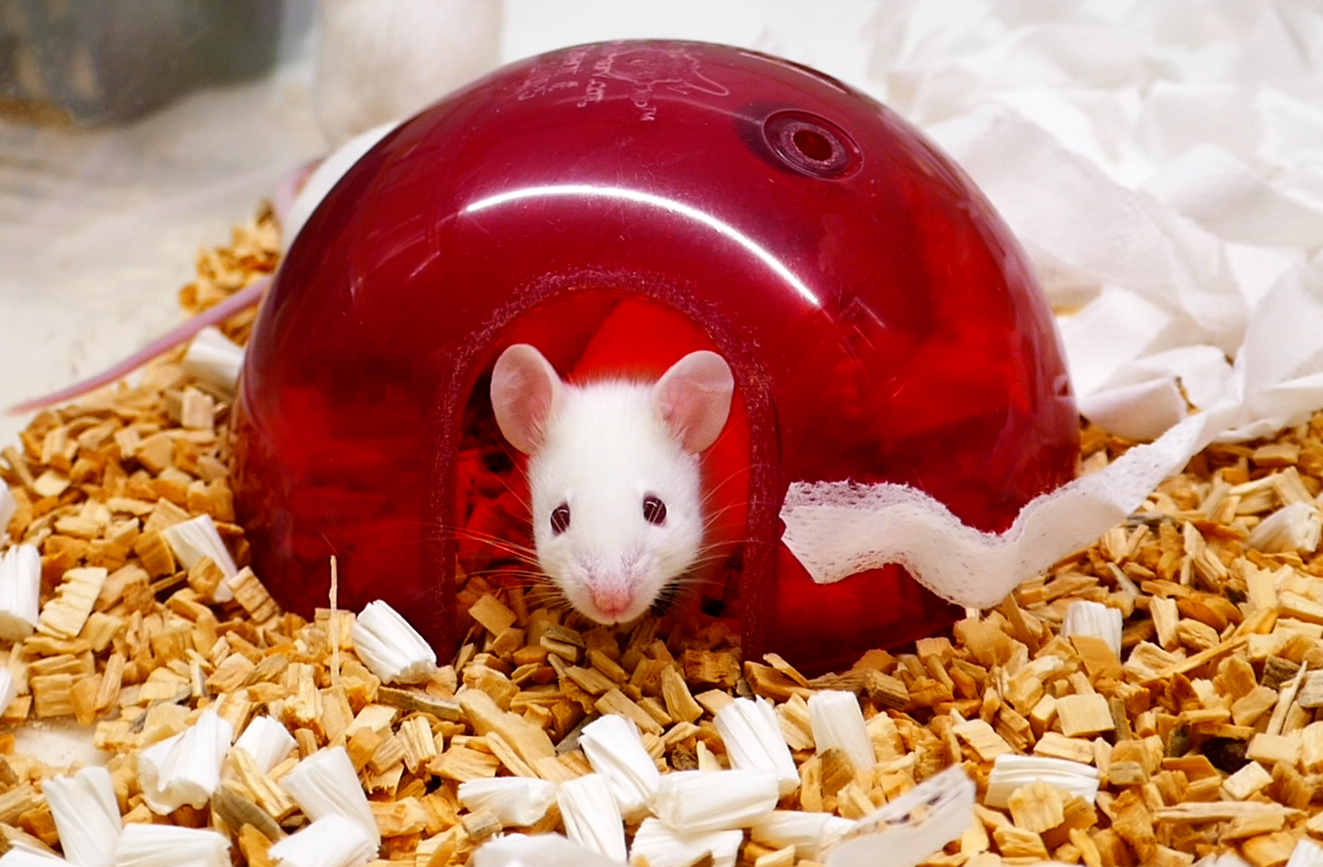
(1163,166)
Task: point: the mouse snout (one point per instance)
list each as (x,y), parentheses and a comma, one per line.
(612,601)
(614,591)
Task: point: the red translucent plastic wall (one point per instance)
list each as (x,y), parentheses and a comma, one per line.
(882,323)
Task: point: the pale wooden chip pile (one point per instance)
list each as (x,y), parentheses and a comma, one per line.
(1205,734)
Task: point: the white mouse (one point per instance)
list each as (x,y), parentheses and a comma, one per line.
(614,474)
(382,60)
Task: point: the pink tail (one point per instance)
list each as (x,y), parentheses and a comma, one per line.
(246,297)
(282,199)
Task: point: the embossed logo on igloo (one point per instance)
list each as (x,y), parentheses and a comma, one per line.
(645,69)
(595,73)
(651,67)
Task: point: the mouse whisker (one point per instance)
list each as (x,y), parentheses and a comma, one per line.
(692,579)
(742,472)
(712,487)
(503,551)
(504,572)
(495,440)
(518,553)
(375,528)
(703,560)
(553,601)
(523,551)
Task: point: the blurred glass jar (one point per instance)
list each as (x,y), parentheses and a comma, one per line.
(102,61)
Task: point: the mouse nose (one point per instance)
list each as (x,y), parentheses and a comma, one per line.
(611,600)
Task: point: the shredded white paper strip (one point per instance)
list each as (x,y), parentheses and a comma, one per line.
(750,730)
(518,801)
(538,850)
(28,858)
(86,815)
(331,841)
(214,359)
(20,588)
(615,750)
(267,741)
(326,784)
(8,689)
(185,768)
(143,845)
(8,507)
(908,830)
(390,646)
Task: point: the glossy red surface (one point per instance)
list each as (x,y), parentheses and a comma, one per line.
(881,322)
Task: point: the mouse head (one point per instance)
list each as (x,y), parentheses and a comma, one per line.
(613,472)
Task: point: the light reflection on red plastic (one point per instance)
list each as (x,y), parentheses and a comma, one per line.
(881,322)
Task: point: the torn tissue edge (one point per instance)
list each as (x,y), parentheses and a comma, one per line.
(839,529)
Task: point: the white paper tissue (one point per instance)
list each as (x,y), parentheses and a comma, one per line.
(1163,166)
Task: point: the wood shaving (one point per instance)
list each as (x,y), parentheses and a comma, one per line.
(1205,733)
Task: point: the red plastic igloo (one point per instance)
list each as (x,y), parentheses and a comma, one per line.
(881,322)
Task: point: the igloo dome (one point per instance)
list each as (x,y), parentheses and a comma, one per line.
(881,322)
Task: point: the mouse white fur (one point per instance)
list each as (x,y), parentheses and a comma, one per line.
(614,474)
(382,60)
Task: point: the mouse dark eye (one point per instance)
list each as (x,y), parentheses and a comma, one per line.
(560,519)
(654,510)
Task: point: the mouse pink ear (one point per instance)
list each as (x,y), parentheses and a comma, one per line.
(693,398)
(525,391)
